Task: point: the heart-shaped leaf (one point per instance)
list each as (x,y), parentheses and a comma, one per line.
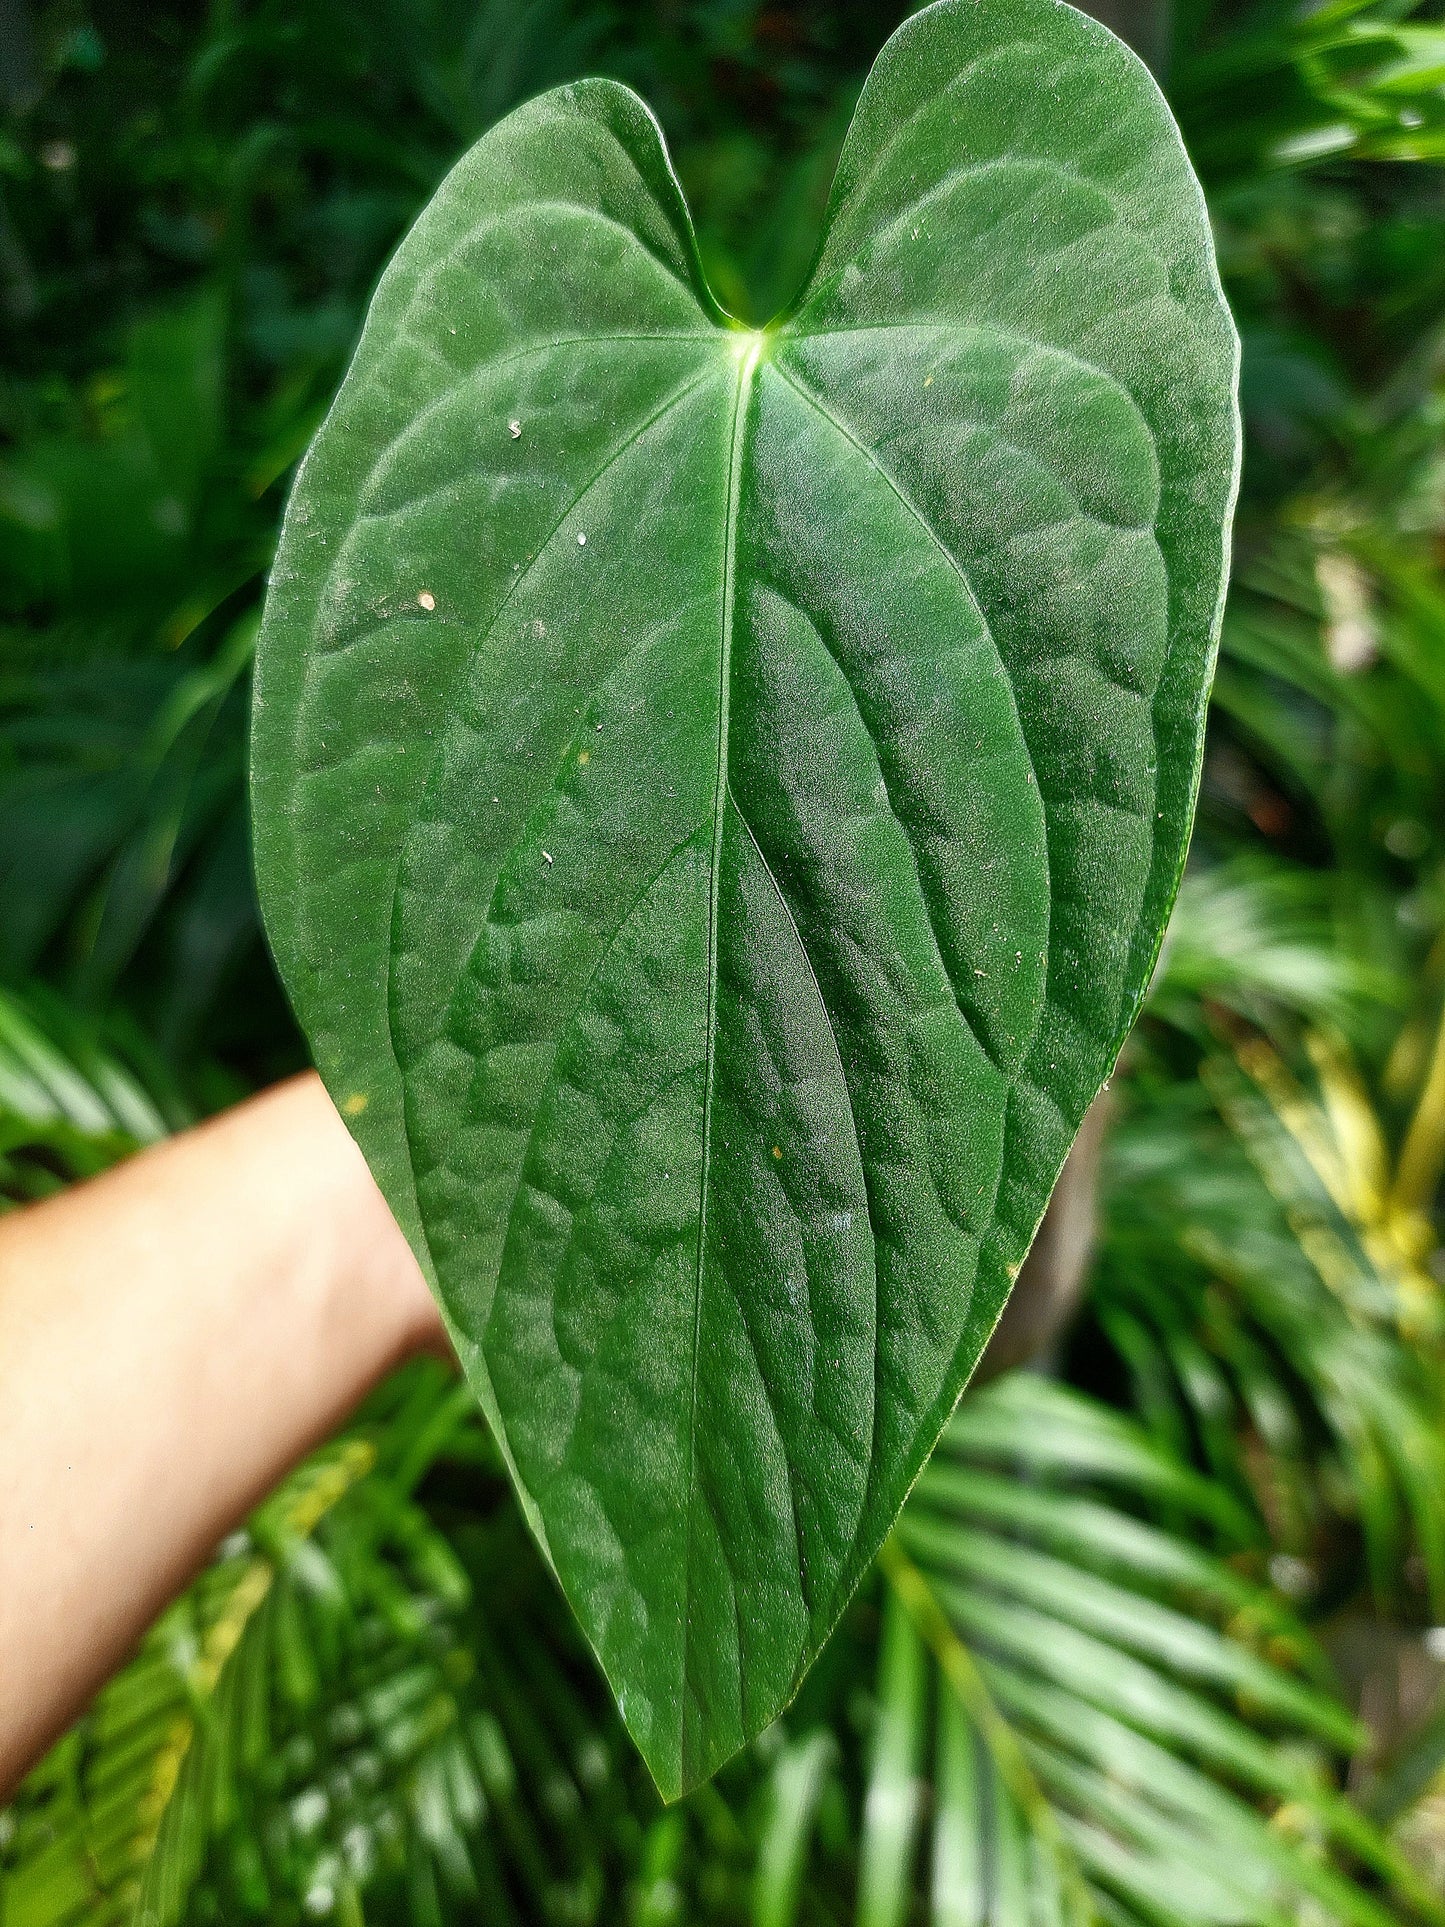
(719,795)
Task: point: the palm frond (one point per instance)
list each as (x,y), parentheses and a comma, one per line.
(1123,1731)
(1266,1289)
(1077,1715)
(1259,935)
(75,1095)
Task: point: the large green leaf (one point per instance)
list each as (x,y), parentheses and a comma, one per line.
(719,794)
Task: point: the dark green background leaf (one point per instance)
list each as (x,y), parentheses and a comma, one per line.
(719,795)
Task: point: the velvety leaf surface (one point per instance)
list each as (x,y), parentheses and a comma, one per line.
(719,795)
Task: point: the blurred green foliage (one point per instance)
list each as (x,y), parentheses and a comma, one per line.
(1110,1664)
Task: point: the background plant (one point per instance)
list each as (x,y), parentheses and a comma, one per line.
(1134,1608)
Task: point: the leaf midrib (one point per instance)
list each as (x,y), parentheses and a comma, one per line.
(747,367)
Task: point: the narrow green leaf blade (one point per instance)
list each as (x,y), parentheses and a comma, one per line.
(893,1807)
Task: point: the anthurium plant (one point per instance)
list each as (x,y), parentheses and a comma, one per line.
(719,794)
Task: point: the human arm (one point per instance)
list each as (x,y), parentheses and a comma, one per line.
(173,1336)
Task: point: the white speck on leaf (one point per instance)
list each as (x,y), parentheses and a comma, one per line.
(546,856)
(581,540)
(514,429)
(427,600)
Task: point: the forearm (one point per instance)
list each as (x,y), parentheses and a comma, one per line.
(173,1336)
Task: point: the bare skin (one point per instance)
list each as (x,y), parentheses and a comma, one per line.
(174,1336)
